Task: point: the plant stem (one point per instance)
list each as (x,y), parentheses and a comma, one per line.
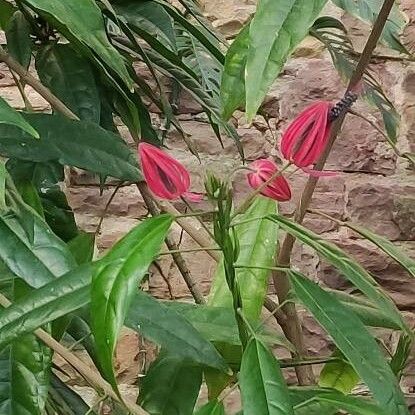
(85,370)
(184,251)
(172,246)
(291,324)
(29,79)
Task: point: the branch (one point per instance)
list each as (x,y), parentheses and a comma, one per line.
(291,324)
(29,79)
(85,370)
(175,252)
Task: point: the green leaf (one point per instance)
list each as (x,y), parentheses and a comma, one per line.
(211,408)
(368,313)
(170,387)
(354,272)
(28,247)
(275,30)
(75,143)
(24,372)
(82,247)
(314,401)
(354,341)
(172,332)
(151,17)
(258,241)
(70,77)
(402,354)
(81,22)
(10,116)
(6,12)
(114,284)
(262,385)
(19,43)
(232,90)
(368,11)
(218,324)
(339,375)
(386,246)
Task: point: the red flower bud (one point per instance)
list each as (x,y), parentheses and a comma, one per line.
(165,176)
(277,189)
(307,136)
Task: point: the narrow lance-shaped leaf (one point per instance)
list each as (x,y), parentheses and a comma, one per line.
(232,90)
(115,282)
(317,401)
(263,388)
(386,246)
(350,269)
(368,11)
(276,29)
(9,115)
(211,408)
(354,341)
(81,21)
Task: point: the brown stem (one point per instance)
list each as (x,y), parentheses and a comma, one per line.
(29,79)
(175,252)
(291,324)
(86,371)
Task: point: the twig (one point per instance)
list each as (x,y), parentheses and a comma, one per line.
(107,205)
(90,374)
(29,79)
(171,245)
(184,251)
(20,87)
(291,324)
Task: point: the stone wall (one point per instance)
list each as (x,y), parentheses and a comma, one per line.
(373,187)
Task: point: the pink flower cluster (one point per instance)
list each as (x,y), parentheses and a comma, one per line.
(301,144)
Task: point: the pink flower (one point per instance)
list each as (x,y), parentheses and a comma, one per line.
(277,189)
(165,176)
(307,136)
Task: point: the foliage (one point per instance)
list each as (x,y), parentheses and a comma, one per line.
(58,291)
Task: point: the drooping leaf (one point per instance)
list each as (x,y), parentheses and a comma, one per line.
(115,281)
(211,408)
(69,76)
(262,385)
(368,313)
(232,89)
(332,33)
(19,43)
(257,240)
(275,30)
(172,332)
(10,116)
(338,375)
(82,23)
(315,401)
(354,341)
(368,11)
(171,386)
(386,246)
(350,269)
(77,143)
